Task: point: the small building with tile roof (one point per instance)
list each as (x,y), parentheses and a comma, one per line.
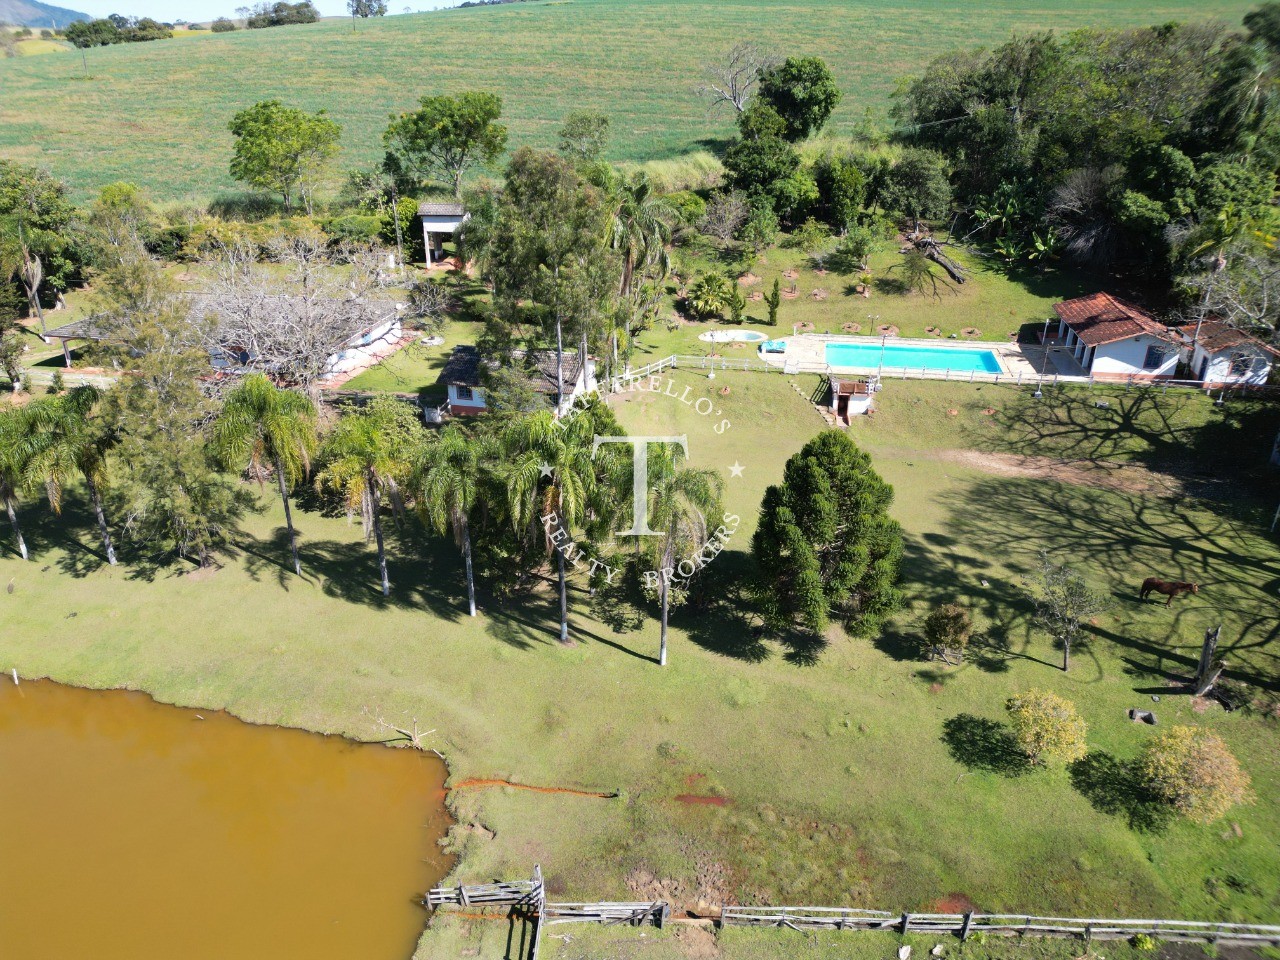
(463,377)
(1222,355)
(1112,338)
(439,219)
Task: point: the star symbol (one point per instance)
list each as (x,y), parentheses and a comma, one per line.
(736,469)
(545,468)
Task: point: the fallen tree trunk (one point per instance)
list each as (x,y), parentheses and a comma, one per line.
(932,249)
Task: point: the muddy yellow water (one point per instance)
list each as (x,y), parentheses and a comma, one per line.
(129,829)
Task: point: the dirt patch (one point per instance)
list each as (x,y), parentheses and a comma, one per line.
(474,783)
(935,688)
(207,572)
(698,943)
(703,895)
(748,279)
(703,801)
(1122,479)
(953,903)
(888,330)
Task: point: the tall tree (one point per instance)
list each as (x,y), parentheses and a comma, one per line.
(584,135)
(732,80)
(282,149)
(14,430)
(550,479)
(263,426)
(826,544)
(681,501)
(172,494)
(367,460)
(444,138)
(546,254)
(68,437)
(804,93)
(1065,604)
(448,479)
(35,219)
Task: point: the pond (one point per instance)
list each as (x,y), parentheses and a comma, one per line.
(131,829)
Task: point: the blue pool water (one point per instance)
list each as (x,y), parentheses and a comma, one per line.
(872,355)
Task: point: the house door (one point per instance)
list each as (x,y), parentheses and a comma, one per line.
(1204,368)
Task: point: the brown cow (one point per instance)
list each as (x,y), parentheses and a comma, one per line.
(1169,588)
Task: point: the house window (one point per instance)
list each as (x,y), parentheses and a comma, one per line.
(1241,364)
(465,393)
(1155,358)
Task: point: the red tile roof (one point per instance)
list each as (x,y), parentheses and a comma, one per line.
(1217,335)
(1101,318)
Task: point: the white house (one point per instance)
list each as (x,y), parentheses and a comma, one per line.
(1221,355)
(1114,339)
(438,221)
(463,377)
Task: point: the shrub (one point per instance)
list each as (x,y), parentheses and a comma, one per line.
(1047,727)
(56,383)
(691,207)
(1143,942)
(709,295)
(1193,770)
(354,226)
(947,630)
(222,25)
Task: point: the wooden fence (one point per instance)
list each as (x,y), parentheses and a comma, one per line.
(527,900)
(1022,378)
(963,925)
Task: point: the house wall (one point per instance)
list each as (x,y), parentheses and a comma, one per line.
(1124,358)
(1219,368)
(457,405)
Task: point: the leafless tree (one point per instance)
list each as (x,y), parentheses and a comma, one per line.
(1243,287)
(726,212)
(733,79)
(1079,211)
(290,317)
(430,303)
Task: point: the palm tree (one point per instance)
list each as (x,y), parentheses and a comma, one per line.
(262,425)
(638,227)
(21,248)
(680,500)
(447,478)
(66,439)
(550,480)
(366,459)
(14,429)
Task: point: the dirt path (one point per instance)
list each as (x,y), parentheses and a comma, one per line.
(1126,478)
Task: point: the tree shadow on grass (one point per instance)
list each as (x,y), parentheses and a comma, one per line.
(1116,787)
(982,744)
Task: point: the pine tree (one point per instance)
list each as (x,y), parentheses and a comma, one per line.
(826,545)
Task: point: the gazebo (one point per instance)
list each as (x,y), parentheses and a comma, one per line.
(438,221)
(75,330)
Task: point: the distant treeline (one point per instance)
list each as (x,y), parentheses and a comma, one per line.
(486,3)
(116,29)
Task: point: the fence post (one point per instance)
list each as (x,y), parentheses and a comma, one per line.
(722,910)
(964,927)
(906,922)
(1088,933)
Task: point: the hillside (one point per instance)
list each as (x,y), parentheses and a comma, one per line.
(33,13)
(156,113)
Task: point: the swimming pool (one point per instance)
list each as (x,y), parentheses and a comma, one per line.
(729,336)
(870,356)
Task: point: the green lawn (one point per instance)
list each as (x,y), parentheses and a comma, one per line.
(994,301)
(852,772)
(156,113)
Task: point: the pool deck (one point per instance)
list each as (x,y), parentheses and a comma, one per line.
(806,353)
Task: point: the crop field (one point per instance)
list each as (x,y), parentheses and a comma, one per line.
(156,113)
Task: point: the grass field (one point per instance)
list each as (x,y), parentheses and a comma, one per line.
(156,113)
(850,773)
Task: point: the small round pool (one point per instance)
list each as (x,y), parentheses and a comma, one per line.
(727,336)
